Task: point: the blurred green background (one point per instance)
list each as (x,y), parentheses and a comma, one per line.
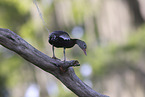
(114,31)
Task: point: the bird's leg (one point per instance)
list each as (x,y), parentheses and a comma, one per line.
(61,67)
(64,54)
(53,53)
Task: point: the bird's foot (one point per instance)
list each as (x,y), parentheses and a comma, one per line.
(55,58)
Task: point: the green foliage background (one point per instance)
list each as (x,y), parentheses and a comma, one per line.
(23,18)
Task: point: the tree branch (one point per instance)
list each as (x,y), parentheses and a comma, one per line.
(15,43)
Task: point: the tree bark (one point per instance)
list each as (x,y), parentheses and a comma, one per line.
(15,43)
(136,13)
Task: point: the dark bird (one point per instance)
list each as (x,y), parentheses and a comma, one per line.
(61,39)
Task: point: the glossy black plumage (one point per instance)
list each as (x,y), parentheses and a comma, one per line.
(61,39)
(56,39)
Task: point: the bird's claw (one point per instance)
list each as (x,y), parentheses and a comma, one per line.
(55,58)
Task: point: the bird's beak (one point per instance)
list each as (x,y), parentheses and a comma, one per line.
(85,51)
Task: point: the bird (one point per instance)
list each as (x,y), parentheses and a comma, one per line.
(61,39)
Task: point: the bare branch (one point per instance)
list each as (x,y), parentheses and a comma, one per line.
(15,43)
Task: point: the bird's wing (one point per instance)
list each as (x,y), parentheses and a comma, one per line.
(61,34)
(65,36)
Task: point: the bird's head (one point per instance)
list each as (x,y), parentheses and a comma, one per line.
(82,45)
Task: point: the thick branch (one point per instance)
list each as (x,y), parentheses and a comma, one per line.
(15,43)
